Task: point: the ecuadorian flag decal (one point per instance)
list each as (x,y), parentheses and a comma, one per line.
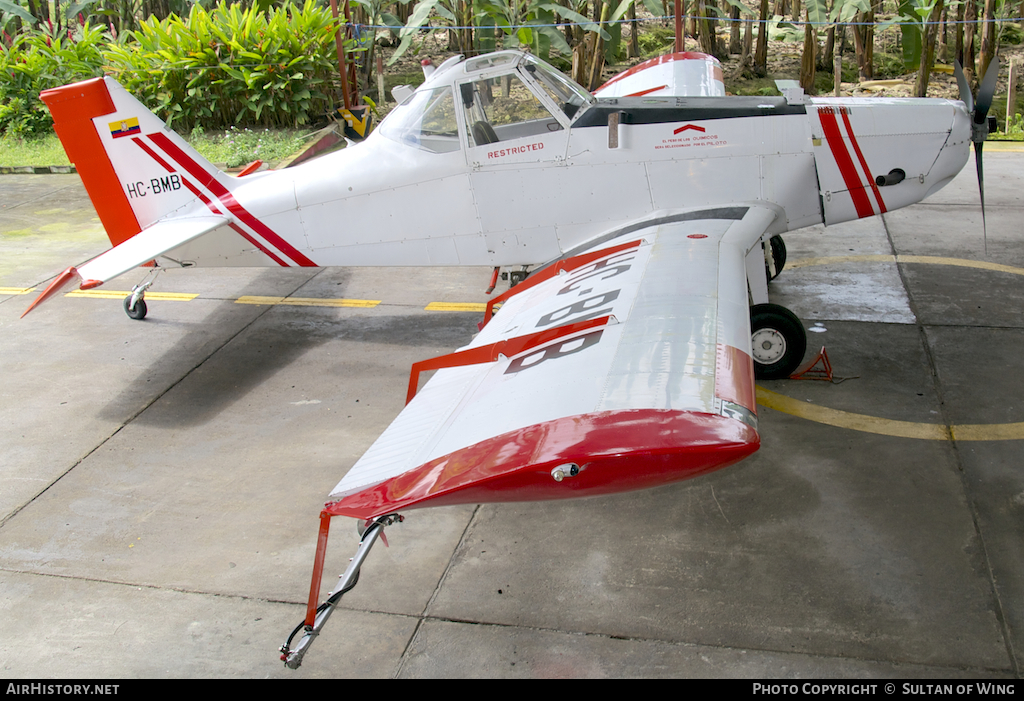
(125,127)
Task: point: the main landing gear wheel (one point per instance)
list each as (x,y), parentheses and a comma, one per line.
(776,250)
(777,341)
(138,312)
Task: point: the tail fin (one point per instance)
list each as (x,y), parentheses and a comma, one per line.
(133,167)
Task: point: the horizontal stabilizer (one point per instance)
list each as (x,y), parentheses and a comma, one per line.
(150,243)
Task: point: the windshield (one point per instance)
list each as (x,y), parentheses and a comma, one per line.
(566,94)
(425,120)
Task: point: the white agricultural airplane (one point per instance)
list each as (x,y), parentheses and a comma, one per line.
(627,359)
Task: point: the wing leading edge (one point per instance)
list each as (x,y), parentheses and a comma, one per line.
(624,367)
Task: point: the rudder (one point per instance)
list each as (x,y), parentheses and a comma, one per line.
(132,166)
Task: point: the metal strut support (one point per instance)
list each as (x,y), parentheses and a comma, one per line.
(139,291)
(315,621)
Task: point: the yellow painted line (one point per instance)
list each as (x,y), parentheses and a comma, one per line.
(116,294)
(989,432)
(887,427)
(16,290)
(456,307)
(836,260)
(891,427)
(927,260)
(846,419)
(963,263)
(307,301)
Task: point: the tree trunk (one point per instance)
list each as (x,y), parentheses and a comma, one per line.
(708,38)
(748,42)
(808,60)
(970,26)
(634,43)
(735,44)
(859,32)
(988,40)
(928,52)
(761,54)
(825,61)
(597,58)
(942,49)
(958,50)
(35,8)
(869,41)
(580,46)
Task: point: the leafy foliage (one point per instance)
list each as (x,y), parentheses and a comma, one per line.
(39,61)
(231,66)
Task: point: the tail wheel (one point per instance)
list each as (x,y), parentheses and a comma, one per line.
(777,341)
(776,250)
(138,312)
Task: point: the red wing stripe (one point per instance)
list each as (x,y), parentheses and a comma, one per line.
(863,163)
(224,195)
(846,168)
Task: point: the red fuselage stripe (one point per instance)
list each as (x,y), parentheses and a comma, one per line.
(227,199)
(153,154)
(209,203)
(863,163)
(845,163)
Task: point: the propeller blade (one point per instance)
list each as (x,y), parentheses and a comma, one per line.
(965,89)
(978,145)
(986,92)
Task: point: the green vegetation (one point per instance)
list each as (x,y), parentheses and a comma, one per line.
(42,150)
(266,64)
(228,67)
(232,67)
(238,147)
(232,148)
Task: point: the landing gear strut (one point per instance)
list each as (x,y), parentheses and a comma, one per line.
(777,340)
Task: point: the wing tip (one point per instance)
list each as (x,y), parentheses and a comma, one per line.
(53,288)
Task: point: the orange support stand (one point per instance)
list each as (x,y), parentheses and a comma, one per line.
(318,567)
(812,371)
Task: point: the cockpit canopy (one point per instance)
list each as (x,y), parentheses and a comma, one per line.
(484,100)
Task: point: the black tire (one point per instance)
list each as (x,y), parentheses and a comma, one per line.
(777,248)
(778,341)
(139,312)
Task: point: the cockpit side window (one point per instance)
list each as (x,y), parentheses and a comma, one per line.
(562,91)
(426,120)
(503,108)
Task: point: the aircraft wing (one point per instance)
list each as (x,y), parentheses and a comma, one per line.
(148,244)
(623,366)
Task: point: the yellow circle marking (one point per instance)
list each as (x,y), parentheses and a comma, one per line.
(891,427)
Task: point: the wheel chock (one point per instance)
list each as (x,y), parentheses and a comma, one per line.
(818,369)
